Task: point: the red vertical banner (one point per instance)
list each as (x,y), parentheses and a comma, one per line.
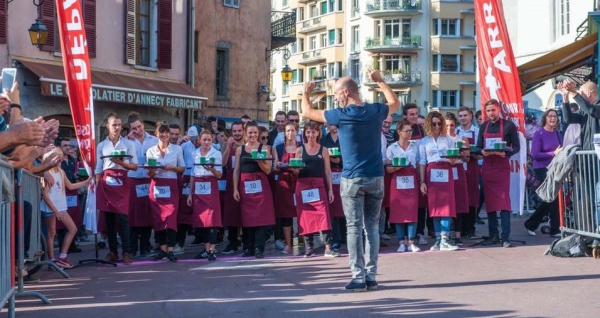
(498,74)
(78,76)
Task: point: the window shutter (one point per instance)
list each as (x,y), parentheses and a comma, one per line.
(130,31)
(89,18)
(48,17)
(3,7)
(164,33)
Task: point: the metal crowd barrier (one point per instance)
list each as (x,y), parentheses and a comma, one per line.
(7,259)
(579,198)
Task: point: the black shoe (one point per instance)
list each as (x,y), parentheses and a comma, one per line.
(171,257)
(491,241)
(458,241)
(161,254)
(230,249)
(372,285)
(75,249)
(101,245)
(357,287)
(202,255)
(211,256)
(258,253)
(248,253)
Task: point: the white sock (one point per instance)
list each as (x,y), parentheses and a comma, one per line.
(62,255)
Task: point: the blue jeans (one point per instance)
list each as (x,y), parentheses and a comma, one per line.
(361,200)
(505,223)
(400,230)
(441,227)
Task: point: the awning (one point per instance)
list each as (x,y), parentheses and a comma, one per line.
(118,88)
(558,62)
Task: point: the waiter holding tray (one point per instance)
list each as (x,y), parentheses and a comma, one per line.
(112,196)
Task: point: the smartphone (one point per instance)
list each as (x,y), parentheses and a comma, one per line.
(9,76)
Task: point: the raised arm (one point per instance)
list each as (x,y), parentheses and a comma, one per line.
(307,111)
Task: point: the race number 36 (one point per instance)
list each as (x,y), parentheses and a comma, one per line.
(439,175)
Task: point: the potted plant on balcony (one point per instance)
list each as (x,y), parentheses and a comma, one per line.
(396,75)
(415,40)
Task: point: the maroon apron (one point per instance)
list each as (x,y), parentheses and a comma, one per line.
(139,203)
(283,190)
(440,191)
(222,187)
(73,210)
(232,212)
(404,196)
(184,214)
(313,216)
(112,193)
(256,200)
(495,176)
(336,209)
(164,202)
(206,205)
(461,198)
(473,177)
(418,136)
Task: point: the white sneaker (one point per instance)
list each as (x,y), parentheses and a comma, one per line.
(178,250)
(530,232)
(401,248)
(422,240)
(385,237)
(279,245)
(413,248)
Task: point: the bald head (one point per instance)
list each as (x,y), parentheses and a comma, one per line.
(346,92)
(589,91)
(347,83)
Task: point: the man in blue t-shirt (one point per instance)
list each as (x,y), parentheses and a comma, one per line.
(361,188)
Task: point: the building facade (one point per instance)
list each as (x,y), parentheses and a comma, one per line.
(138,56)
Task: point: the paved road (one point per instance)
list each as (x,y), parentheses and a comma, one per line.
(474,282)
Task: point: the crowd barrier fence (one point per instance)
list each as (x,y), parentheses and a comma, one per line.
(7,259)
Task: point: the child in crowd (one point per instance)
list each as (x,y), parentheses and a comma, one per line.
(54,207)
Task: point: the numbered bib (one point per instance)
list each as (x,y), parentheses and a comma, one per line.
(222,185)
(439,175)
(455,173)
(113,182)
(490,142)
(465,166)
(336,177)
(142,190)
(253,186)
(466,134)
(405,182)
(233,161)
(311,195)
(71,201)
(162,192)
(202,188)
(186,189)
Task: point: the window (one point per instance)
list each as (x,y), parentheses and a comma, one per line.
(355,8)
(285,106)
(285,89)
(392,63)
(312,44)
(331,5)
(446,27)
(48,16)
(355,39)
(446,63)
(300,14)
(323,7)
(285,3)
(331,37)
(404,98)
(294,105)
(565,17)
(312,73)
(339,36)
(392,28)
(293,48)
(323,73)
(143,27)
(446,99)
(313,11)
(149,35)
(406,28)
(196,41)
(297,76)
(331,69)
(222,72)
(324,40)
(355,69)
(232,3)
(300,45)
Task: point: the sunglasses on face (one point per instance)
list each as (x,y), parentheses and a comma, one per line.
(264,137)
(436,124)
(294,120)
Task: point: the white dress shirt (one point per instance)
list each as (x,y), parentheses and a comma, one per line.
(173,157)
(411,153)
(383,147)
(430,149)
(140,149)
(199,171)
(280,139)
(189,151)
(106,148)
(472,132)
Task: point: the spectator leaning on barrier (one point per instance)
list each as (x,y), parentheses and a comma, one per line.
(587,100)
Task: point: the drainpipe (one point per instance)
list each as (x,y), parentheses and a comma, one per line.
(191,53)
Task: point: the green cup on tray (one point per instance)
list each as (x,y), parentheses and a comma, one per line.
(151,162)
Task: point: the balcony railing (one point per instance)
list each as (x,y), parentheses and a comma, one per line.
(390,5)
(310,24)
(401,78)
(407,41)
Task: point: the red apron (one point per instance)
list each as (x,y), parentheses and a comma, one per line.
(283,192)
(418,136)
(139,203)
(206,205)
(495,176)
(336,209)
(473,177)
(222,187)
(184,214)
(313,211)
(164,202)
(232,211)
(256,200)
(404,196)
(112,193)
(461,197)
(73,210)
(440,191)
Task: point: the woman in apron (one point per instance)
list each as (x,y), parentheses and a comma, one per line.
(164,191)
(404,192)
(461,196)
(336,210)
(204,197)
(436,179)
(251,188)
(311,196)
(285,185)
